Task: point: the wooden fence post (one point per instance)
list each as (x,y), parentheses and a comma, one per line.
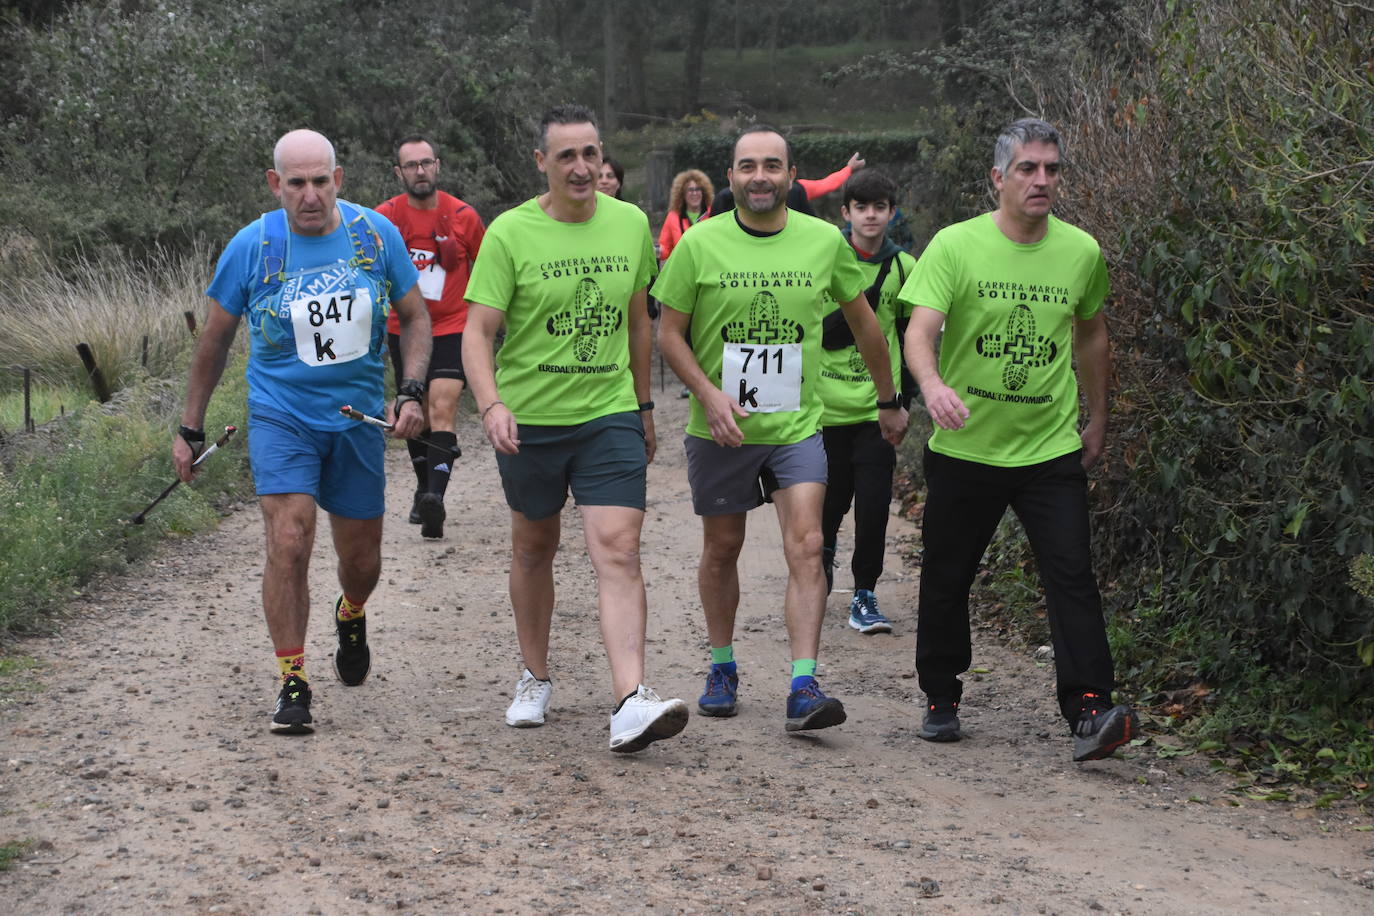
(28,400)
(102,390)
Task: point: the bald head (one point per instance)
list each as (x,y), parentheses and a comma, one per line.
(306,179)
(303,144)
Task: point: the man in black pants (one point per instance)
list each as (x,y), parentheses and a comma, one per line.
(1018,294)
(860,461)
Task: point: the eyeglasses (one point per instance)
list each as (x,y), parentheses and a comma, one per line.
(425,164)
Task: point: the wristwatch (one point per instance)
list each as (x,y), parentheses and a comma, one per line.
(193,437)
(892,404)
(410,389)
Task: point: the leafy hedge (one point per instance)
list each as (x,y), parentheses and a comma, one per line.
(1247,497)
(816,154)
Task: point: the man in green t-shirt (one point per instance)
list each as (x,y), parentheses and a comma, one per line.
(860,461)
(1019,295)
(748,286)
(568,272)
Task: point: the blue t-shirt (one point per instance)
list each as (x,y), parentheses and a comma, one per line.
(316,342)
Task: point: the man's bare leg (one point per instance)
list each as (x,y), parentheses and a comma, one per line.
(612,534)
(533,545)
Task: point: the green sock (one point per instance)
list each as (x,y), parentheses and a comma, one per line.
(723,655)
(804,667)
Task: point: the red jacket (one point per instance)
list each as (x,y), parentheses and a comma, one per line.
(673,226)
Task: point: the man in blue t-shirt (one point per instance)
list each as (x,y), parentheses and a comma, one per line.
(315,280)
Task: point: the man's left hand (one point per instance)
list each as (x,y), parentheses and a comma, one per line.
(411,421)
(893,424)
(1094,438)
(650,437)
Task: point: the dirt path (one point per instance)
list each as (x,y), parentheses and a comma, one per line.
(146,776)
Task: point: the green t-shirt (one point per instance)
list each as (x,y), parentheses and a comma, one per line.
(847,390)
(760,301)
(1007,347)
(565,289)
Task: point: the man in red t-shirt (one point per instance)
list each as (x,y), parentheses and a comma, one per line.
(443,235)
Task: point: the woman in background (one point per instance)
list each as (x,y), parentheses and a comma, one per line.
(688,202)
(611,177)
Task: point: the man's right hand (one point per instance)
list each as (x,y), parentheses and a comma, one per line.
(944,406)
(721,411)
(182,459)
(501,429)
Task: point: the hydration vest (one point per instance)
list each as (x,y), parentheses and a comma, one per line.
(274,248)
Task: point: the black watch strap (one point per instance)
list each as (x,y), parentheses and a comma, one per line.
(411,388)
(192,435)
(889,405)
(647,405)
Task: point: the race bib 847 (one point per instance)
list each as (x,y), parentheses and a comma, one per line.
(334,327)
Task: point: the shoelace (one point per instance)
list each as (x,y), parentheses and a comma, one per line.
(717,683)
(526,690)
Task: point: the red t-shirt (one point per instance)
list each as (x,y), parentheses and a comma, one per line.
(443,243)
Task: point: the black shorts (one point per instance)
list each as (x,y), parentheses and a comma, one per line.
(445,360)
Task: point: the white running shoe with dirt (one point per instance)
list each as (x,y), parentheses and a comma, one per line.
(531,702)
(645,718)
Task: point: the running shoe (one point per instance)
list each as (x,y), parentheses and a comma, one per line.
(353,658)
(431,509)
(531,702)
(1102,728)
(292,715)
(415,508)
(645,718)
(864,615)
(808,708)
(941,722)
(721,693)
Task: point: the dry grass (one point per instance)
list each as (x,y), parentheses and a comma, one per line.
(111,305)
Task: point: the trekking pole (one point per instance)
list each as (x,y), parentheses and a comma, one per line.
(361,417)
(214,447)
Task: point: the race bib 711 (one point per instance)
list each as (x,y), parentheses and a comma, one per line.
(763,378)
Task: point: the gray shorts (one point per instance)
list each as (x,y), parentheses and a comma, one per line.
(726,480)
(602,461)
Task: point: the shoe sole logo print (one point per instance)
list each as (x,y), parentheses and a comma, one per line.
(589,318)
(764,326)
(1022,348)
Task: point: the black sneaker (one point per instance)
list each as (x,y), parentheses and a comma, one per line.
(414,518)
(1101,729)
(431,509)
(941,722)
(353,659)
(292,716)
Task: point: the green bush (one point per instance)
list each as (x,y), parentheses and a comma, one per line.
(67,494)
(1248,495)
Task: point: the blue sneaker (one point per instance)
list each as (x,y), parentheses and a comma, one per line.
(808,708)
(719,698)
(864,615)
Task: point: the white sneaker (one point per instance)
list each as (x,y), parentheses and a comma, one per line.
(530,703)
(643,719)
